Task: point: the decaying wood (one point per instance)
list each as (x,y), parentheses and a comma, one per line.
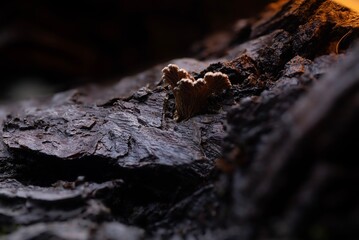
(97,160)
(129,141)
(307,159)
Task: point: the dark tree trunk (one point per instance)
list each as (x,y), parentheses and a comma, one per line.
(273,157)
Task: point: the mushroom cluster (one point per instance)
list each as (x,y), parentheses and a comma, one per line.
(191,95)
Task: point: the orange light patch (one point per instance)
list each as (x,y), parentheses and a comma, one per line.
(352,4)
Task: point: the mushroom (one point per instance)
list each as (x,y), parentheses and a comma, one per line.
(191,95)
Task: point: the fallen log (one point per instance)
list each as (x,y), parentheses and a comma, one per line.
(282,136)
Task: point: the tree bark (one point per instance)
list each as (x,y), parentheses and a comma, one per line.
(270,158)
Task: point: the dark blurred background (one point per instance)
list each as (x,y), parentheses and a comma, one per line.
(49,46)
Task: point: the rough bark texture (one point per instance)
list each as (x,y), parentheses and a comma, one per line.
(96,160)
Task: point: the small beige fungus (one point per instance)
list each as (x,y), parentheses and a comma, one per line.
(191,95)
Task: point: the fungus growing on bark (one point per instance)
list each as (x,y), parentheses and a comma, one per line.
(191,95)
